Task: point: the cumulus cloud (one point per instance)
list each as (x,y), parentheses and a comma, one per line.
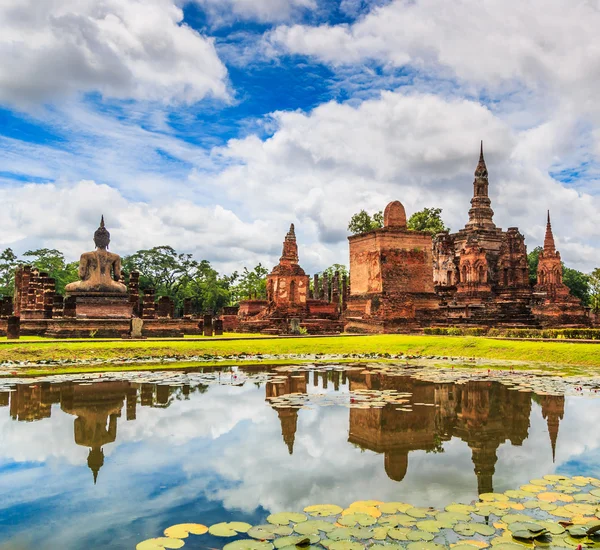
(221,11)
(323,166)
(121,48)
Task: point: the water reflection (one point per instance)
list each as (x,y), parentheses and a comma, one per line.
(484,415)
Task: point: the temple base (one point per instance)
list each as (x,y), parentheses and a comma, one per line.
(102,306)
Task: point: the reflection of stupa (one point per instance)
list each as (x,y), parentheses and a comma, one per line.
(553,410)
(97,407)
(288,416)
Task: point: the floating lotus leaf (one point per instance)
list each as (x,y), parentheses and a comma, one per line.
(430,525)
(452,517)
(586,497)
(460,508)
(527,535)
(313,526)
(398,534)
(513,518)
(546,506)
(553,528)
(562,512)
(581,508)
(595,492)
(345,545)
(541,482)
(555,478)
(269,531)
(580,481)
(577,531)
(380,533)
(230,529)
(362,503)
(517,493)
(487,510)
(469,544)
(417,512)
(526,526)
(531,488)
(553,497)
(424,546)
(300,540)
(386,547)
(419,535)
(516,506)
(503,545)
(567,489)
(360,508)
(248,544)
(397,519)
(285,518)
(339,533)
(491,497)
(183,530)
(473,528)
(350,520)
(159,543)
(323,510)
(593,527)
(294,547)
(394,507)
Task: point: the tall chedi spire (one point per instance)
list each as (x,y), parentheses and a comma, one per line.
(481,213)
(549,246)
(290,247)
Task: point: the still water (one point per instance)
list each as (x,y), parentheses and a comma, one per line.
(91,462)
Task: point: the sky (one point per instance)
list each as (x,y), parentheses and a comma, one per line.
(211,125)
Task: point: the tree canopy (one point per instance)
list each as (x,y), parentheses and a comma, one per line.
(428,220)
(594,282)
(362,222)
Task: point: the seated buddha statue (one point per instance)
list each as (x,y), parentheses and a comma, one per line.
(99,270)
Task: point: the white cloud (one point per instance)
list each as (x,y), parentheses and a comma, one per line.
(221,11)
(121,48)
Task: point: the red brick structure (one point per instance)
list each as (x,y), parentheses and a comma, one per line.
(391,277)
(553,303)
(288,298)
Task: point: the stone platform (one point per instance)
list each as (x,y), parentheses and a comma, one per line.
(102,306)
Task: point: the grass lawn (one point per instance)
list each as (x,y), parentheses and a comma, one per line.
(568,354)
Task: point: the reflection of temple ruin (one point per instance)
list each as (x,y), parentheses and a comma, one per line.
(483,415)
(97,408)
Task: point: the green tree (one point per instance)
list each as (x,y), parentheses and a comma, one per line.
(578,283)
(340,268)
(161,268)
(8,264)
(52,261)
(533,259)
(363,222)
(251,284)
(208,290)
(594,281)
(428,220)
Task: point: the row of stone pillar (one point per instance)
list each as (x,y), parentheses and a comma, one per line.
(334,289)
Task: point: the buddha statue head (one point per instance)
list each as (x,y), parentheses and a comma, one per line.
(102,236)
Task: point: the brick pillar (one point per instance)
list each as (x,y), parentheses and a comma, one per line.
(13,328)
(335,290)
(326,296)
(316,291)
(218,326)
(69,307)
(58,305)
(134,292)
(344,292)
(49,293)
(164,307)
(148,305)
(187,307)
(207,328)
(7,307)
(310,293)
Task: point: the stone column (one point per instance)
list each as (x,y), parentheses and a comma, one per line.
(207,329)
(69,306)
(148,305)
(134,292)
(187,307)
(218,326)
(344,292)
(58,304)
(13,328)
(326,288)
(335,291)
(49,293)
(317,290)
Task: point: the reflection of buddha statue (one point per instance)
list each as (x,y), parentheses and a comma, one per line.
(100,270)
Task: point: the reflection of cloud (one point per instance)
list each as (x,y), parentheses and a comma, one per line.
(222,453)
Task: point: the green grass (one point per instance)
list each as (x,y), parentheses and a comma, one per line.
(575,354)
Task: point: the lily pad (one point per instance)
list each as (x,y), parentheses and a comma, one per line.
(473,528)
(350,520)
(531,488)
(417,512)
(248,544)
(394,507)
(159,543)
(424,546)
(380,533)
(548,496)
(313,526)
(517,493)
(460,508)
(269,531)
(419,535)
(555,478)
(299,540)
(452,518)
(230,529)
(345,545)
(398,534)
(397,519)
(491,497)
(323,510)
(577,531)
(183,530)
(285,518)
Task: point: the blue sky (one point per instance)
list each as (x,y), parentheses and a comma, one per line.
(211,125)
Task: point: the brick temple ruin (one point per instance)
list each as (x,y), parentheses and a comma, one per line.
(400,280)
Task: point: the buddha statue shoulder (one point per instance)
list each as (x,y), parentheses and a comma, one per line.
(99,270)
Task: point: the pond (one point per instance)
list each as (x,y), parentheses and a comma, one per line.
(106,461)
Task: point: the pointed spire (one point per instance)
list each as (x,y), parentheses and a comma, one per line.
(549,246)
(292,231)
(481,213)
(102,221)
(290,248)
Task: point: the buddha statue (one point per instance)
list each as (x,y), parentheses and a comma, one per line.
(100,270)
